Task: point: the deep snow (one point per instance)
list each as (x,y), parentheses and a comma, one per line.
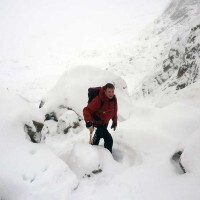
(65,166)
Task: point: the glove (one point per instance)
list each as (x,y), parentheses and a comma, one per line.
(90,126)
(114,126)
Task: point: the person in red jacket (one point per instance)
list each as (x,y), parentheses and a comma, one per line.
(98,114)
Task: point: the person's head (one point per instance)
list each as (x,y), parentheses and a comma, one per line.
(109,90)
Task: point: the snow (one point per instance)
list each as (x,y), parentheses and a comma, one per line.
(28,170)
(142,153)
(71,91)
(65,166)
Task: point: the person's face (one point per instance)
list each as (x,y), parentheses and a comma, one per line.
(109,92)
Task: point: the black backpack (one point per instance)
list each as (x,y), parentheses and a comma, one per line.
(92,93)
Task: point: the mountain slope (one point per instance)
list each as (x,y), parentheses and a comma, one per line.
(161,52)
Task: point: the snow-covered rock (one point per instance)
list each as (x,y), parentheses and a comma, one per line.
(70,92)
(182,66)
(69,120)
(28,171)
(14,110)
(36,130)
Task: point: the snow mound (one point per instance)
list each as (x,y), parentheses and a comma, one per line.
(28,171)
(189,158)
(16,110)
(71,91)
(86,160)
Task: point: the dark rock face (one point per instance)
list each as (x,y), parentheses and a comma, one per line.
(51,116)
(170,62)
(38,126)
(188,72)
(176,158)
(34,130)
(181,67)
(41,104)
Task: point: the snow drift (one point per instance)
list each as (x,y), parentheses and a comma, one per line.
(28,171)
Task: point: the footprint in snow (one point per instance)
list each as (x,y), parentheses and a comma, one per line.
(44,169)
(28,178)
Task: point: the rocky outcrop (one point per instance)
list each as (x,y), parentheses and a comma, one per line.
(175,43)
(37,131)
(68,121)
(176,159)
(181,67)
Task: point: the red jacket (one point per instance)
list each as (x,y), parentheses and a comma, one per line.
(101,109)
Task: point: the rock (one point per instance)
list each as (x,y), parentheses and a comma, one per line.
(37,131)
(177,34)
(180,68)
(51,116)
(41,104)
(68,120)
(177,159)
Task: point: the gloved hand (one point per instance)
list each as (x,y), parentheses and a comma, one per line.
(90,126)
(114,126)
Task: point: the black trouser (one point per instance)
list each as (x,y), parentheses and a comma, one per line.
(102,132)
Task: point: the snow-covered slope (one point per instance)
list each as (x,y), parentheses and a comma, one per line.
(28,171)
(164,51)
(180,69)
(144,148)
(156,147)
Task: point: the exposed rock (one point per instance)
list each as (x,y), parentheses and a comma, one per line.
(174,40)
(51,116)
(180,68)
(37,131)
(176,158)
(41,104)
(68,120)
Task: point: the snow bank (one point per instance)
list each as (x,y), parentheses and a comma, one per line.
(15,110)
(86,160)
(28,171)
(188,96)
(72,89)
(189,158)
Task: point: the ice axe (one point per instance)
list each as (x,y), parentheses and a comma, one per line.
(91,129)
(90,142)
